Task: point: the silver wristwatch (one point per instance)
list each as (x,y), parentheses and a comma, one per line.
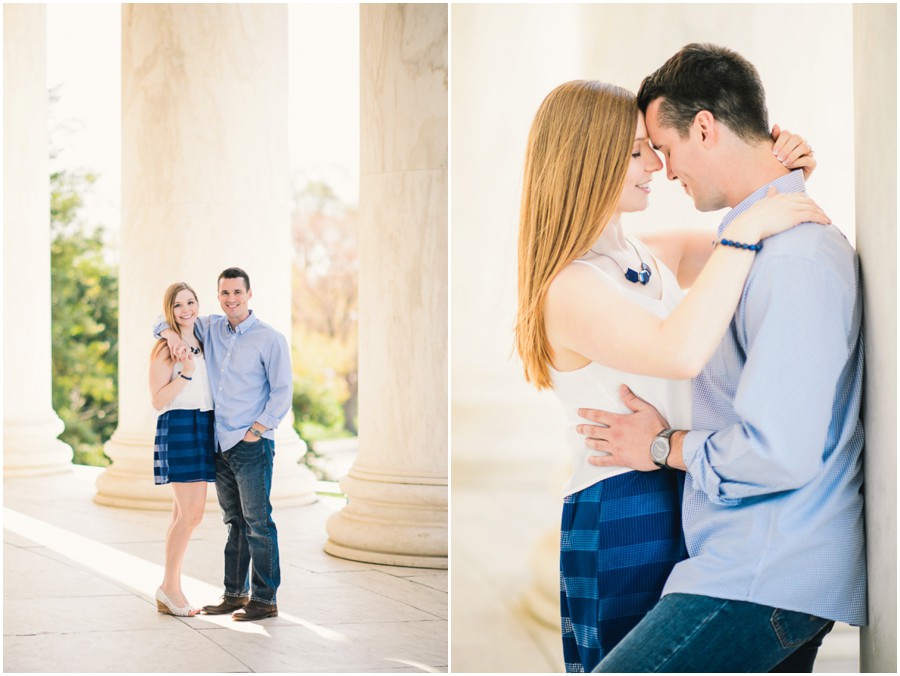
(255,432)
(660,449)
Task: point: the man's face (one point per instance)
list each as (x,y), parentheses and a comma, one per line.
(687,161)
(234,297)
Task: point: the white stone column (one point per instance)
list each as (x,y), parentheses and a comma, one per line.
(397,488)
(875,96)
(205,186)
(30,425)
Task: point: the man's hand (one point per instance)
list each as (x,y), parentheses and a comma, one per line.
(178,348)
(252,438)
(626,438)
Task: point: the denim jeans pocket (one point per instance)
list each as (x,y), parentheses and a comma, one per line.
(252,451)
(794,629)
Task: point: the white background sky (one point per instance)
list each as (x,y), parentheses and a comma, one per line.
(84,61)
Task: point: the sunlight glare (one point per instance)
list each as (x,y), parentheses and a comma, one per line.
(136,573)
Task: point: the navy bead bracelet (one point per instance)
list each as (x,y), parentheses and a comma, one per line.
(741,245)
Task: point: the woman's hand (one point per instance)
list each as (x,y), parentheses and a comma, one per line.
(793,151)
(773,214)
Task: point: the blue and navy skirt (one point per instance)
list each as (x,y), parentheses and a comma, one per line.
(184,449)
(620,538)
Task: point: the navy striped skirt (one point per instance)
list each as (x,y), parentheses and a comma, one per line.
(184,449)
(620,538)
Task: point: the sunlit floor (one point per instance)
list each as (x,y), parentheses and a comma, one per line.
(494,532)
(79,579)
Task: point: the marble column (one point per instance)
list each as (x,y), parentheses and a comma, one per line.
(30,425)
(397,488)
(875,96)
(205,186)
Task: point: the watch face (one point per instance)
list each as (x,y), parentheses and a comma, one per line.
(659,450)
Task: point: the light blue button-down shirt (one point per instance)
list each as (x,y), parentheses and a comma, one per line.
(249,374)
(773,507)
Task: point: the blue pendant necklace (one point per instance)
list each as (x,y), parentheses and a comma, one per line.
(631,274)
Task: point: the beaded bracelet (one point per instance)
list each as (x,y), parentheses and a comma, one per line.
(740,245)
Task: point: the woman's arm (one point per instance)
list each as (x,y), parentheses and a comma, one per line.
(684,251)
(162,388)
(586,315)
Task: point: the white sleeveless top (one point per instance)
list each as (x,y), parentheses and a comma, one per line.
(597,386)
(197,394)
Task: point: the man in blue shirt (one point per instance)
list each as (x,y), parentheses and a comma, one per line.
(250,376)
(773,514)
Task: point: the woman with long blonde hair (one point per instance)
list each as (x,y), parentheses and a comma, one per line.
(597,309)
(184,446)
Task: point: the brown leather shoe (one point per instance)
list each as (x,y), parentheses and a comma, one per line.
(226,605)
(255,610)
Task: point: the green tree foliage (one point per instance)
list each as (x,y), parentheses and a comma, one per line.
(85,294)
(318,414)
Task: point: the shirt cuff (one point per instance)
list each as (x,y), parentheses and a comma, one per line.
(160,326)
(270,421)
(693,441)
(701,472)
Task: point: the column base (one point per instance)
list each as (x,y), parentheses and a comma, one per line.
(385,558)
(394,523)
(32,449)
(128,482)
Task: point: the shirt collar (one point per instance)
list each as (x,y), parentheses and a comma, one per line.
(792,182)
(244,326)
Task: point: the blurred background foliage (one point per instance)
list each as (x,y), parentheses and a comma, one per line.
(84,325)
(325,310)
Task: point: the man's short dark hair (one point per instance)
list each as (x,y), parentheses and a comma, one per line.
(234,273)
(708,77)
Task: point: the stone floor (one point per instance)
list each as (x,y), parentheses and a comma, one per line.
(496,519)
(79,580)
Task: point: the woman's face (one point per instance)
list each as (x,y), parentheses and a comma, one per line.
(643,164)
(185,308)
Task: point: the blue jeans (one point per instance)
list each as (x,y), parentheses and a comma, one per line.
(243,485)
(689,633)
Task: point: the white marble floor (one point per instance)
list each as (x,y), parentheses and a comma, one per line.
(496,520)
(79,579)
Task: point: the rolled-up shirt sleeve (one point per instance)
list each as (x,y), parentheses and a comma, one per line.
(160,326)
(795,346)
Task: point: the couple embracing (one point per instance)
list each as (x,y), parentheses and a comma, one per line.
(222,383)
(712,524)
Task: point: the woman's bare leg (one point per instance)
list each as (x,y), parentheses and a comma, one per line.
(187,513)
